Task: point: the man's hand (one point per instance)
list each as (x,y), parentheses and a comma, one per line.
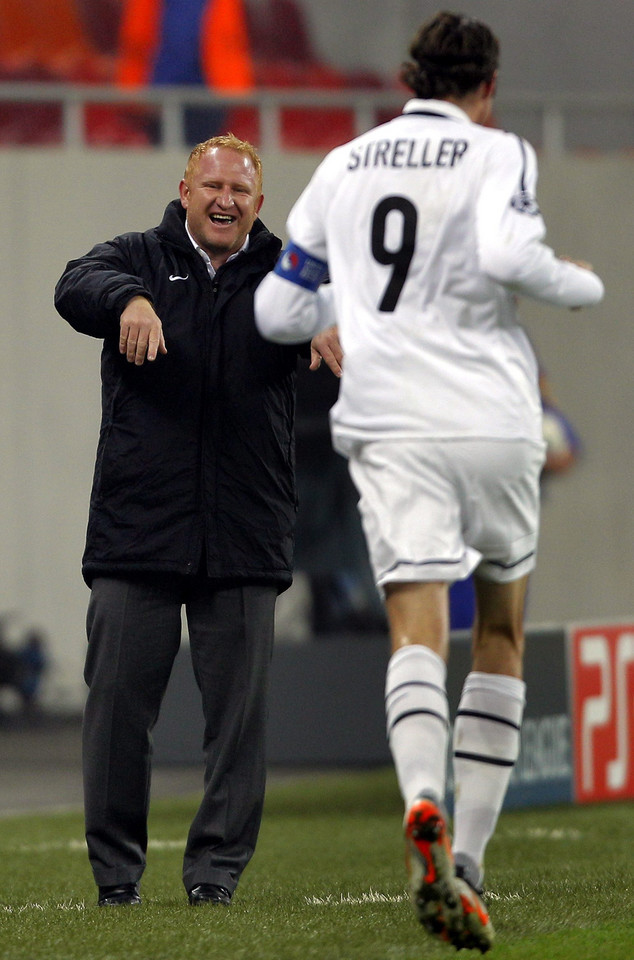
(141,334)
(326,346)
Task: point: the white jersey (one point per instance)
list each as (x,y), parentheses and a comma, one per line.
(429,228)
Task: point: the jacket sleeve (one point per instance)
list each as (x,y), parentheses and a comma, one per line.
(94,289)
(510,232)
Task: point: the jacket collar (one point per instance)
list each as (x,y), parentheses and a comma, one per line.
(211,270)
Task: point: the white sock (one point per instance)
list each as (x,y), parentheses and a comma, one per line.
(486,741)
(417,721)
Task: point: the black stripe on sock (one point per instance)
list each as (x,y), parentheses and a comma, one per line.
(416,683)
(487,716)
(480,758)
(413,713)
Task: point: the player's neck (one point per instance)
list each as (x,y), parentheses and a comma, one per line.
(478,103)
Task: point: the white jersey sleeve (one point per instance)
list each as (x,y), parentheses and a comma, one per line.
(288,313)
(510,232)
(290,305)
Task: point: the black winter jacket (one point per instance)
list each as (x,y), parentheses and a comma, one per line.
(196,453)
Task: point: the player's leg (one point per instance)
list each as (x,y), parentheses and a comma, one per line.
(503,481)
(411,519)
(498,630)
(412,527)
(417,724)
(487,726)
(416,699)
(501,510)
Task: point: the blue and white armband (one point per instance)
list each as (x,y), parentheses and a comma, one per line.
(299,267)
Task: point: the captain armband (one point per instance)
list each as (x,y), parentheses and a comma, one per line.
(299,267)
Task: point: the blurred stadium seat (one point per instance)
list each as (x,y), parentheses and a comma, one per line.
(46,41)
(313,104)
(284,55)
(77,42)
(43,40)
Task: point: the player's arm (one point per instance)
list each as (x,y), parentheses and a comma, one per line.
(511,233)
(289,306)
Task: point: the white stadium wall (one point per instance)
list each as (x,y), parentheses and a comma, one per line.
(579,46)
(57,203)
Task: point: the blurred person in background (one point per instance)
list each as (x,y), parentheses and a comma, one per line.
(23,665)
(429,228)
(170,42)
(185,42)
(193,505)
(190,43)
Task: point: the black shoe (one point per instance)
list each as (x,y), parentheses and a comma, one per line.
(124,894)
(209,893)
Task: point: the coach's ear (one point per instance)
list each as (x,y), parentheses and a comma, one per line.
(183,189)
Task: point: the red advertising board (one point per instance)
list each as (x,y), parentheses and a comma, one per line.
(602,693)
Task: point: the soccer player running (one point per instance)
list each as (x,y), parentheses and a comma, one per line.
(429,229)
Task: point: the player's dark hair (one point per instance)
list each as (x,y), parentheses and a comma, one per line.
(451,56)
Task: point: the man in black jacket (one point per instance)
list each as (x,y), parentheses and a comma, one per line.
(193,504)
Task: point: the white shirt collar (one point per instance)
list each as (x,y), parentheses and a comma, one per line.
(210,267)
(443,107)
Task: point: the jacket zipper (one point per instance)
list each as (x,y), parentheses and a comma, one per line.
(204,425)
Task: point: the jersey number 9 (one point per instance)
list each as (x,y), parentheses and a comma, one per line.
(401,257)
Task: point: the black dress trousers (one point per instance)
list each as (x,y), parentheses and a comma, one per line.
(134,633)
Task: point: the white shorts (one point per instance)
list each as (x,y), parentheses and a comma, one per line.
(442,509)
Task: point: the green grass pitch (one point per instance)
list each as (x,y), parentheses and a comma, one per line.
(327,883)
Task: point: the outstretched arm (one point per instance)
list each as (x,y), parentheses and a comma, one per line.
(95,289)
